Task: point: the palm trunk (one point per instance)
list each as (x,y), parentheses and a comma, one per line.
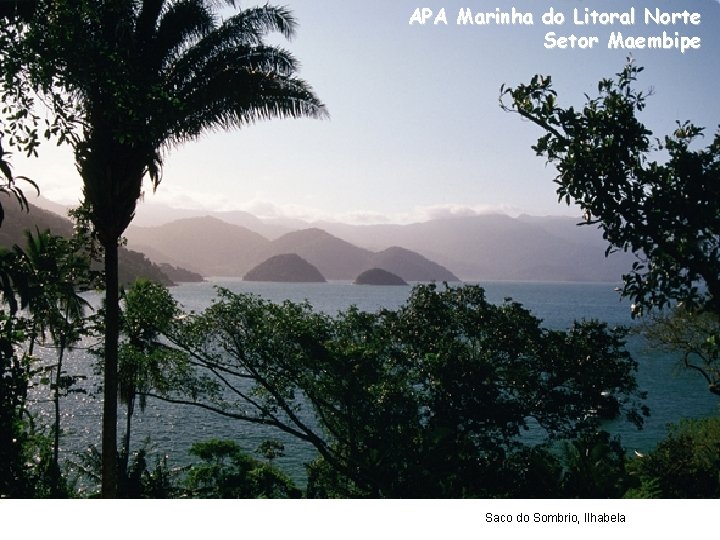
(33,337)
(109,422)
(128,426)
(58,376)
(56,478)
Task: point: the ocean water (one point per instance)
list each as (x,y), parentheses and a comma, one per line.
(169,430)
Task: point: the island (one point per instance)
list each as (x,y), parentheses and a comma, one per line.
(378,276)
(287,267)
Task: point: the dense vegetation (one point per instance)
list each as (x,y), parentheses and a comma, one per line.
(125,81)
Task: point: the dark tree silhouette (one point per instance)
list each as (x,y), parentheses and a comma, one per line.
(145,76)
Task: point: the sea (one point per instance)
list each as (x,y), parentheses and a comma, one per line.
(166,430)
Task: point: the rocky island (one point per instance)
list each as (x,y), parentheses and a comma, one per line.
(287,267)
(378,276)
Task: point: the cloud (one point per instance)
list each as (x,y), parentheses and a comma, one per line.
(264,208)
(443,211)
(269,210)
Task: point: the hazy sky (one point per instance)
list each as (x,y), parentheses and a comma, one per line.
(415,128)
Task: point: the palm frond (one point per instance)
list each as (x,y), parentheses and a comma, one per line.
(246,29)
(147,20)
(266,19)
(238,98)
(181,25)
(267,59)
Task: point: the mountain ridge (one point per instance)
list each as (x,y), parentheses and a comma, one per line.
(475,247)
(214,248)
(132,264)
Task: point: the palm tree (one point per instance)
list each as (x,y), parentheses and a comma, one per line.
(148,75)
(52,272)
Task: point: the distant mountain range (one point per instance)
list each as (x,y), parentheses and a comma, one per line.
(215,248)
(499,247)
(469,248)
(472,248)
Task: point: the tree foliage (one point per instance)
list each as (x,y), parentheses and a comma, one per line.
(437,398)
(665,211)
(146,362)
(14,375)
(686,464)
(694,335)
(138,77)
(43,279)
(226,472)
(19,124)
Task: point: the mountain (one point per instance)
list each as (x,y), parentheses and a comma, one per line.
(287,268)
(132,264)
(470,248)
(214,248)
(499,247)
(378,276)
(410,265)
(338,259)
(203,244)
(178,274)
(152,214)
(335,258)
(18,221)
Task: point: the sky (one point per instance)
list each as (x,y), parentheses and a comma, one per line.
(415,129)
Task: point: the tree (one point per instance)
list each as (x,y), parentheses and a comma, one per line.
(55,271)
(444,397)
(226,472)
(45,279)
(146,362)
(694,335)
(17,122)
(27,467)
(667,213)
(14,376)
(686,464)
(145,76)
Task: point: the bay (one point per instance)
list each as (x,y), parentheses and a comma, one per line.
(169,430)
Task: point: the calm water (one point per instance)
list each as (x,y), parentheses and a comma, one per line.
(672,394)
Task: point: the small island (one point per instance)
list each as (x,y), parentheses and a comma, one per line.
(378,276)
(288,268)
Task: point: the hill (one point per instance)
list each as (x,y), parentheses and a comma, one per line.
(335,258)
(379,276)
(205,245)
(286,267)
(132,263)
(338,259)
(178,274)
(410,265)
